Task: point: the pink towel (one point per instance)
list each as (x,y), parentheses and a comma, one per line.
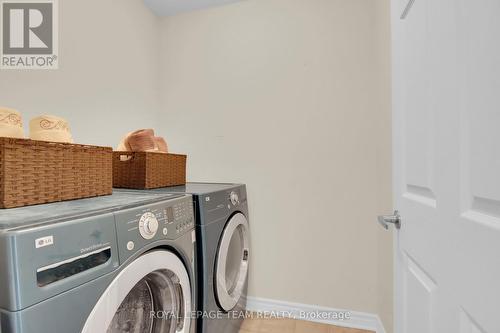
(143,140)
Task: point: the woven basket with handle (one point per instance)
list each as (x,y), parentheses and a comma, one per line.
(35,172)
(146,170)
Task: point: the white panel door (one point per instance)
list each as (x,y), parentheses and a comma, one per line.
(446,140)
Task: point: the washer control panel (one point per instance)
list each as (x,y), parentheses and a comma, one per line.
(183,213)
(164,220)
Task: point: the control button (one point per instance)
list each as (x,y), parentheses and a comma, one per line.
(235,200)
(165,231)
(148,225)
(130,246)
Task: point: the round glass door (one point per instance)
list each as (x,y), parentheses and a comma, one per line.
(232,262)
(151,295)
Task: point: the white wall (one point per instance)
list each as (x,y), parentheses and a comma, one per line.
(292,98)
(108,79)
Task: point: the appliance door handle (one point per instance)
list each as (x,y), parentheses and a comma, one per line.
(394,219)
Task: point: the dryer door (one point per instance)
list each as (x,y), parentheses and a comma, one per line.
(152,294)
(232,262)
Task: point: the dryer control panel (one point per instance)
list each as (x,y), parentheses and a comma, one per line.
(164,220)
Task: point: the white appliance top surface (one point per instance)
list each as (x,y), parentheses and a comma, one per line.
(172,7)
(54,212)
(196,188)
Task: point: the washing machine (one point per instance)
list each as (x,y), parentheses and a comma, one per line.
(115,264)
(222,230)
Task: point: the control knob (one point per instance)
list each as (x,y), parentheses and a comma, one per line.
(234,198)
(148,225)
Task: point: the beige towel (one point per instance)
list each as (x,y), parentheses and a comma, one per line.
(11,124)
(143,140)
(50,128)
(124,146)
(161,144)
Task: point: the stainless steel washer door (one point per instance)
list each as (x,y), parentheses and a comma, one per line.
(232,262)
(151,295)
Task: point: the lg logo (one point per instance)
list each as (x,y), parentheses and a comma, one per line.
(29,34)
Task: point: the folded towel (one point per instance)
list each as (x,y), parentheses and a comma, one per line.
(124,146)
(50,128)
(161,144)
(143,140)
(11,124)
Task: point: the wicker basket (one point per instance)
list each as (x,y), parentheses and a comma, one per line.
(143,170)
(35,172)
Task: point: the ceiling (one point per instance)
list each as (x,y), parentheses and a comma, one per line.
(172,7)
